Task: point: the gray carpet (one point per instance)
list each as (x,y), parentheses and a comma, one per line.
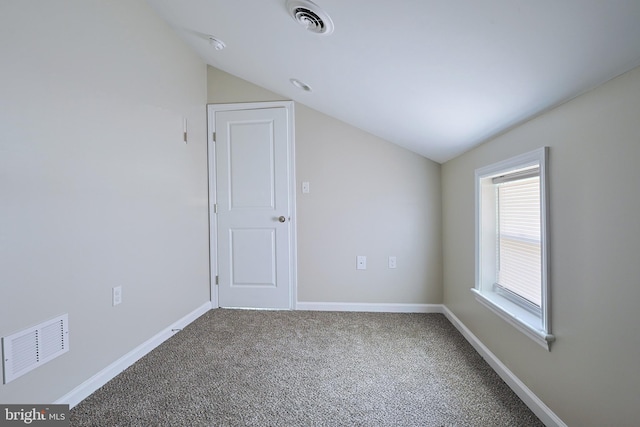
(299,368)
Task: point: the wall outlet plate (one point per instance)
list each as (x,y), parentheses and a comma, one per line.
(392,262)
(361,262)
(116,295)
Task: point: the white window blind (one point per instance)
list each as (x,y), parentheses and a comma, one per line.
(519,248)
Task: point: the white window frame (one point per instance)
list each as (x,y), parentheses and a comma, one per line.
(536,326)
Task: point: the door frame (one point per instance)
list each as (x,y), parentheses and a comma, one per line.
(212,109)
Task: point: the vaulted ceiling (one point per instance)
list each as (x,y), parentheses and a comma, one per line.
(435,76)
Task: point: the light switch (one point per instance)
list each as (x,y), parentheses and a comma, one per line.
(305,187)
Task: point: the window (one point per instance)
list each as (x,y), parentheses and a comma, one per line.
(511,243)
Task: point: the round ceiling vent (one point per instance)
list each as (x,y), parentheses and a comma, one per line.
(309,15)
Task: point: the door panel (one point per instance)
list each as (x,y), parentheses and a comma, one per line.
(253,188)
(253,257)
(251,165)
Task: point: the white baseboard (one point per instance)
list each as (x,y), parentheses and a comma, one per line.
(81,392)
(355,306)
(537,406)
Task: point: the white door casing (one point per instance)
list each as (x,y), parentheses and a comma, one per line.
(252,196)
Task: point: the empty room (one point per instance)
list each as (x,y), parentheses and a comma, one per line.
(292,213)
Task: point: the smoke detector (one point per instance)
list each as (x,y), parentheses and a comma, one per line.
(309,15)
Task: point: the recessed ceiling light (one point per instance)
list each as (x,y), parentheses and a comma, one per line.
(216,43)
(300,85)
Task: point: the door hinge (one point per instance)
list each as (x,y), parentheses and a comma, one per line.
(215,208)
(184,136)
(217,280)
(214,137)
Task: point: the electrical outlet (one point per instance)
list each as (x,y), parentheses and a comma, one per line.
(116,294)
(361,262)
(392,262)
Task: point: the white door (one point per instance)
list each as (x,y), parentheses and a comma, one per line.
(252,162)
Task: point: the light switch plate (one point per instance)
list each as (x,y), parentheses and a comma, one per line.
(305,187)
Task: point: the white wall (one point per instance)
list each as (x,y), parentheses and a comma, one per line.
(591,375)
(368,197)
(96,187)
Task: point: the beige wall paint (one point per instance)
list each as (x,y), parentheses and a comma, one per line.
(590,377)
(223,88)
(96,187)
(368,197)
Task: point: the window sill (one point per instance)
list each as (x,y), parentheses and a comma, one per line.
(521,319)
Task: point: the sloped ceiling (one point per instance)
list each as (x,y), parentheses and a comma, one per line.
(437,77)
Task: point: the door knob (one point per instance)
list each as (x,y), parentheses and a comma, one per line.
(282,219)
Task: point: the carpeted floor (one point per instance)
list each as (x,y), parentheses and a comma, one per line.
(300,368)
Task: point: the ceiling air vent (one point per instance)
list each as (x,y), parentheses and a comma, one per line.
(309,15)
